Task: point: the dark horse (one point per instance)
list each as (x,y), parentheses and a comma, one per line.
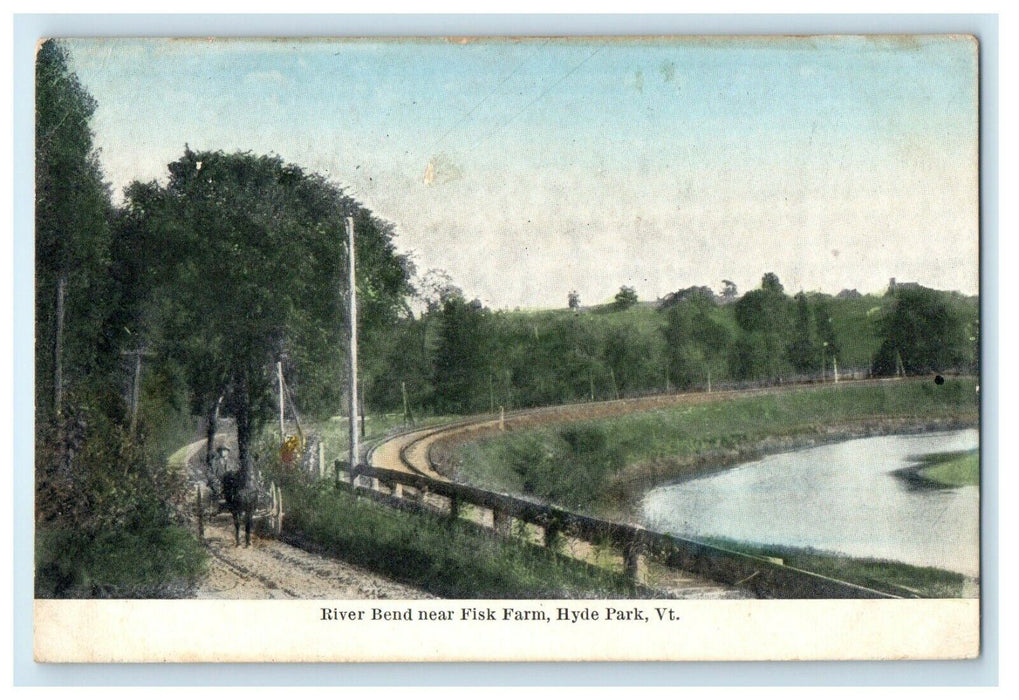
(241,499)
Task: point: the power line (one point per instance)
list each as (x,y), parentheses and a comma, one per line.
(537,99)
(484,99)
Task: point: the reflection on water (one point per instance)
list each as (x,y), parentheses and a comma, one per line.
(841,498)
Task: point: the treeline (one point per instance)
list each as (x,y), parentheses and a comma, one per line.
(460,357)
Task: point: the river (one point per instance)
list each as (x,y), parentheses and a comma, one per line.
(842,498)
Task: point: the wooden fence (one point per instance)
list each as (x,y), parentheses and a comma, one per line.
(764,577)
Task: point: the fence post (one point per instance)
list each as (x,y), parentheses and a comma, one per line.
(198,510)
(552,529)
(279,521)
(500,522)
(633,560)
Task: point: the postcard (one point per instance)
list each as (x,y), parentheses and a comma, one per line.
(507,349)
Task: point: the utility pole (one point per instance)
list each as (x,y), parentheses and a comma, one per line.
(279,376)
(352,409)
(135,383)
(407,417)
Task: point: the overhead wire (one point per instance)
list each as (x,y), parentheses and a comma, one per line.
(484,99)
(537,99)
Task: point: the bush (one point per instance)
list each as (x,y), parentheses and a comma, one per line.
(573,470)
(109,514)
(152,562)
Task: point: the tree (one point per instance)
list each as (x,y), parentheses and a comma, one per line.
(462,370)
(694,341)
(763,318)
(574,300)
(922,332)
(729,291)
(625,298)
(803,350)
(72,236)
(770,283)
(673,298)
(255,251)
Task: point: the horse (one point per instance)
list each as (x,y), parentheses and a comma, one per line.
(241,499)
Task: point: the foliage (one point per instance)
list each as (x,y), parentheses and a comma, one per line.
(803,350)
(572,469)
(248,246)
(573,300)
(461,362)
(625,298)
(922,332)
(695,341)
(107,507)
(72,232)
(763,316)
(704,294)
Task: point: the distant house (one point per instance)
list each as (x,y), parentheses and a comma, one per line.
(894,286)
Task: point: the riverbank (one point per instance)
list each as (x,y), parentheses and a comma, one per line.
(944,470)
(895,577)
(619,458)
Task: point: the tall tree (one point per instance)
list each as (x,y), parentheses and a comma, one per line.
(694,341)
(462,367)
(803,350)
(763,318)
(72,235)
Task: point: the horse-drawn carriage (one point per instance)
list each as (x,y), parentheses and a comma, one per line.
(244,495)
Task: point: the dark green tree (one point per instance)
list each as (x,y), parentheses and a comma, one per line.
(72,238)
(462,367)
(922,332)
(803,350)
(625,298)
(695,341)
(763,317)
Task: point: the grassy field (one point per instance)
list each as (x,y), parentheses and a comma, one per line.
(951,469)
(451,559)
(689,440)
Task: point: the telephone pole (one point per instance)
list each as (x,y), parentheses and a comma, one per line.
(352,409)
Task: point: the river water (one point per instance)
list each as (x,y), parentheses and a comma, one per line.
(842,498)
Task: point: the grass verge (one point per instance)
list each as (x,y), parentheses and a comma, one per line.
(450,559)
(891,576)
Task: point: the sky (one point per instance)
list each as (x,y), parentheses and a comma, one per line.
(529,168)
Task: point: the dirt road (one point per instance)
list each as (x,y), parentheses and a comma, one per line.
(270,569)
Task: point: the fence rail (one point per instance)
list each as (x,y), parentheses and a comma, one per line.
(764,577)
